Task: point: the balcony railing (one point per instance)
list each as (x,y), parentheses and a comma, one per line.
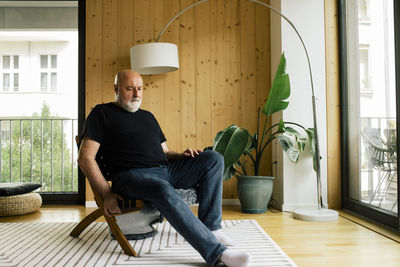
(379,163)
(40,150)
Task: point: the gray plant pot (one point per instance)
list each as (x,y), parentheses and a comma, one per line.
(254,192)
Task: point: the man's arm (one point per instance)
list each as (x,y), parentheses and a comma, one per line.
(172,155)
(87,162)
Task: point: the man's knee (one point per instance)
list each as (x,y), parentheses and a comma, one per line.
(213,158)
(160,188)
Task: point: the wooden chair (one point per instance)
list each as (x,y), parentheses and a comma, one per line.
(127,206)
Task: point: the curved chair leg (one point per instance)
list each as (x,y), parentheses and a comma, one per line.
(120,237)
(86,222)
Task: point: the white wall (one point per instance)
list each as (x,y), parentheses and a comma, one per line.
(295,185)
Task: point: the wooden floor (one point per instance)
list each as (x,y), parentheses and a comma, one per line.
(340,243)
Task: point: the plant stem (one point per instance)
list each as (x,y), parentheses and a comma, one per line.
(256,146)
(285,122)
(293,123)
(263,133)
(243,166)
(250,155)
(258,151)
(270,139)
(258,128)
(240,171)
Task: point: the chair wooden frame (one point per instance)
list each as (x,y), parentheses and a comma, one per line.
(111,221)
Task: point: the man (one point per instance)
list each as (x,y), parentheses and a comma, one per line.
(143,167)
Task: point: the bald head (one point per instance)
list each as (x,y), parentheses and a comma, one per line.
(126,74)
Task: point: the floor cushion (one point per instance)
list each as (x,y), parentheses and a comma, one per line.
(20,204)
(12,189)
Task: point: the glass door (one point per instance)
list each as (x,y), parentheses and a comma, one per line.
(41,92)
(369,118)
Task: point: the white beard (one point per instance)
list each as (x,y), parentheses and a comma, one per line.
(132,105)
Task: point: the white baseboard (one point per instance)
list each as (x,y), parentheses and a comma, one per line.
(90,204)
(225,202)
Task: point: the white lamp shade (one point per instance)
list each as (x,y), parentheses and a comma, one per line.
(154,58)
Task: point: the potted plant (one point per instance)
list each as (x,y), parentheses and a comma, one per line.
(236,144)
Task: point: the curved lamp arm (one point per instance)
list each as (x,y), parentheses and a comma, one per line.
(317,150)
(176,16)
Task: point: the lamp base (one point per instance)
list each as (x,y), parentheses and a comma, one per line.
(317,215)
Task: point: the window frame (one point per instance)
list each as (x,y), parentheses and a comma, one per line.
(49,71)
(358,207)
(11,71)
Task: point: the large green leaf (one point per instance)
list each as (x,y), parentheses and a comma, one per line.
(231,143)
(300,139)
(236,146)
(252,143)
(311,138)
(280,90)
(287,146)
(229,172)
(222,138)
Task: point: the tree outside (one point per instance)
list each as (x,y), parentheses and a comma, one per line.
(45,155)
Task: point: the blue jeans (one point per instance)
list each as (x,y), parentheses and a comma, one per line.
(157,185)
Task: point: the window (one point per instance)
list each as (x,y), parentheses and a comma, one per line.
(10,72)
(48,73)
(363,10)
(370,85)
(365,76)
(41,40)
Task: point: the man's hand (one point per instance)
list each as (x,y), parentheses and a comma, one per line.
(110,203)
(172,155)
(191,153)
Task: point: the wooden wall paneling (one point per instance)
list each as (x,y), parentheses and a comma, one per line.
(263,74)
(94,59)
(110,49)
(233,86)
(156,88)
(94,53)
(203,73)
(172,101)
(125,33)
(188,76)
(232,48)
(248,69)
(220,80)
(218,67)
(333,104)
(219,77)
(143,33)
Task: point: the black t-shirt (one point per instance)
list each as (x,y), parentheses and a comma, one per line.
(127,140)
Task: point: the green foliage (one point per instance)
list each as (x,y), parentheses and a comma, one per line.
(231,142)
(279,92)
(236,144)
(44,153)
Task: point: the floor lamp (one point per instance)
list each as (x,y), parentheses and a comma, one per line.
(157,58)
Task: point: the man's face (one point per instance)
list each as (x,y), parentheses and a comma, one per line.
(129,92)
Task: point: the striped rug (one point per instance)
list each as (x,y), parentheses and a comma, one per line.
(49,244)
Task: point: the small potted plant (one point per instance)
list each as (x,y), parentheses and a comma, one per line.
(236,144)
